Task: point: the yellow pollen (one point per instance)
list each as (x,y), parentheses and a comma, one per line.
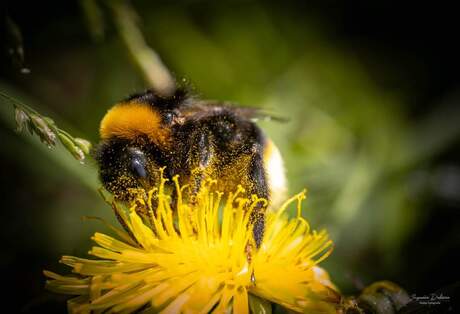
(192,258)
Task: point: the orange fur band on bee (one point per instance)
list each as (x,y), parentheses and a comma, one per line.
(131,120)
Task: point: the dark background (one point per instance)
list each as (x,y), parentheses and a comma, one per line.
(371,89)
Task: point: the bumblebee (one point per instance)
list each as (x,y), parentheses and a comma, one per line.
(192,138)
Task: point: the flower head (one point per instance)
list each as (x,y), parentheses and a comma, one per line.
(193,258)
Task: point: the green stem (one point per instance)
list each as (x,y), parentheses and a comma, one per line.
(146,59)
(18,103)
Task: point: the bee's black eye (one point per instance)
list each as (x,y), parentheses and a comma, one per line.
(138,168)
(138,163)
(168,117)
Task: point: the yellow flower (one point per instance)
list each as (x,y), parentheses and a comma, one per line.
(194,259)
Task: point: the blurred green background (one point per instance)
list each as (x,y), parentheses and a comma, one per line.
(371,92)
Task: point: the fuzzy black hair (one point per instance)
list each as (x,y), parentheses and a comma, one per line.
(179,98)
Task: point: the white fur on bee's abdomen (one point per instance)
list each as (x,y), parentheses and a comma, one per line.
(276,178)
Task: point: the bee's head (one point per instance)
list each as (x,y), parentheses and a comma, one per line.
(125,167)
(133,134)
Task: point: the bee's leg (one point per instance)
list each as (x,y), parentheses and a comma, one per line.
(260,188)
(200,158)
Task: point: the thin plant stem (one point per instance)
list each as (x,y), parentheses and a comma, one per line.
(155,73)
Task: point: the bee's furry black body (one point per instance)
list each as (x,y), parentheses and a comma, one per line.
(218,139)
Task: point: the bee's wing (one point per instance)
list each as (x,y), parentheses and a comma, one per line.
(261,115)
(204,107)
(258,114)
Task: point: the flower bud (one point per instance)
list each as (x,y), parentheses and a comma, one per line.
(43,130)
(22,119)
(69,144)
(83,144)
